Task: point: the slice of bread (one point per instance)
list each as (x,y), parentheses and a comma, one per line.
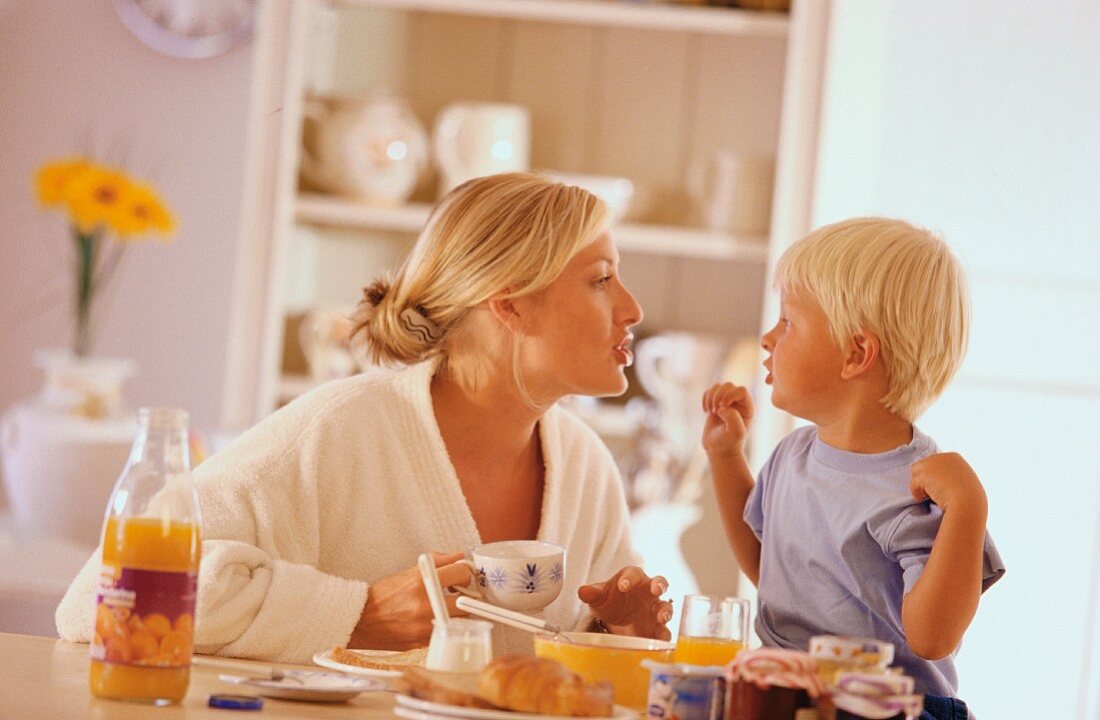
(396,662)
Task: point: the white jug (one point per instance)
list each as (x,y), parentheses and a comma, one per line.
(371,148)
(732,193)
(476,139)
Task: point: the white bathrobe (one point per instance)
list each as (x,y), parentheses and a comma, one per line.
(348,484)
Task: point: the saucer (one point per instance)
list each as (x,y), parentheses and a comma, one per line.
(309,685)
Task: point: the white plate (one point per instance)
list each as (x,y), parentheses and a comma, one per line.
(309,685)
(325,659)
(416,709)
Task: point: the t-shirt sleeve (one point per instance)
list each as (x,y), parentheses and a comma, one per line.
(754,505)
(909,543)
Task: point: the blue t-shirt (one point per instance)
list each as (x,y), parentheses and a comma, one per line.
(842,542)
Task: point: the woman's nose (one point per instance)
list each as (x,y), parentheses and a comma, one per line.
(631,312)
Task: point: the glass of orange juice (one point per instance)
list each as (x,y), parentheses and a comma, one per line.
(712,629)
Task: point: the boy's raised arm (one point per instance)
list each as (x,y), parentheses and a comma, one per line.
(729,411)
(943,602)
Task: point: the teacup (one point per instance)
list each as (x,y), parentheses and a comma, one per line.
(521,575)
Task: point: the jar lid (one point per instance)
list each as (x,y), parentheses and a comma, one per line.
(236,702)
(860,651)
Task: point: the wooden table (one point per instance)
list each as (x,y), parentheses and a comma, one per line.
(48,678)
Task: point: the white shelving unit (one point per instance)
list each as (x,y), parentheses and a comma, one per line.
(614,88)
(325,210)
(712,21)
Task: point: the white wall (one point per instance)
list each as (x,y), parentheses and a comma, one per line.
(73,80)
(979,120)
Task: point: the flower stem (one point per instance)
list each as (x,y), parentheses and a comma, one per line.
(86,247)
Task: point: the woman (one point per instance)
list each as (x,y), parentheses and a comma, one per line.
(313,519)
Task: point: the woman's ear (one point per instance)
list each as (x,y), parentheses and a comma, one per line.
(863,351)
(507,313)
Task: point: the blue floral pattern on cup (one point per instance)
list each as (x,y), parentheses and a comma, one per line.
(497,577)
(531,579)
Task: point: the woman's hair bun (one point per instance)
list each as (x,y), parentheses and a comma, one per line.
(383,332)
(376,292)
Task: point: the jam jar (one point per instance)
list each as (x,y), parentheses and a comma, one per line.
(861,696)
(770,684)
(834,654)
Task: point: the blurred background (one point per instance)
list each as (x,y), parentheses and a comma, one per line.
(299,145)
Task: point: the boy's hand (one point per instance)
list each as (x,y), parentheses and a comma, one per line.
(948,481)
(729,413)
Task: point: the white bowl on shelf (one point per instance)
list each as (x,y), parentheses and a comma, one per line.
(617,192)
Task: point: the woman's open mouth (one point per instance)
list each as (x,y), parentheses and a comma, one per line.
(623,352)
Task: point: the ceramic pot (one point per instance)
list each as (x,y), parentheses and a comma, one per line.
(371,148)
(63,450)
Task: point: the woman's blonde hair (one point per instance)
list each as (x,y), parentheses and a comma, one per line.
(901,283)
(507,235)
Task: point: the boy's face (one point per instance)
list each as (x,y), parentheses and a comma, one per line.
(804,363)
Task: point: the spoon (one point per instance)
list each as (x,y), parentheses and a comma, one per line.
(430,578)
(511,618)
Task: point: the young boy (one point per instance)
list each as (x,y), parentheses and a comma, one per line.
(858,525)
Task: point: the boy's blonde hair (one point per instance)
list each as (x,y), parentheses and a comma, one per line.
(897,281)
(506,235)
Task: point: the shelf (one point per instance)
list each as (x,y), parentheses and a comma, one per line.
(318,209)
(712,21)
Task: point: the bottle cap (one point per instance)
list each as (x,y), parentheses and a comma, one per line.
(236,702)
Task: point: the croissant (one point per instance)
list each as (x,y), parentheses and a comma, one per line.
(541,685)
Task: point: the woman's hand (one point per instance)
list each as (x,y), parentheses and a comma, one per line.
(630,603)
(729,412)
(397,614)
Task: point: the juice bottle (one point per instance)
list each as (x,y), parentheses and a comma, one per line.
(145,601)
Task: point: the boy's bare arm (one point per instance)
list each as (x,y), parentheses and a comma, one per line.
(940,607)
(729,411)
(732,484)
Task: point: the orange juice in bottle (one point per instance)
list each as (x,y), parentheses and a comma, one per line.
(145,601)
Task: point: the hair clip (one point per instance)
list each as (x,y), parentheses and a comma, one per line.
(417,323)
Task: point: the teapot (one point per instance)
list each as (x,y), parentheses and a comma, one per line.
(372,148)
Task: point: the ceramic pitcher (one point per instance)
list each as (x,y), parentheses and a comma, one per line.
(476,139)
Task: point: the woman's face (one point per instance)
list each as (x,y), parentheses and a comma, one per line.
(577,331)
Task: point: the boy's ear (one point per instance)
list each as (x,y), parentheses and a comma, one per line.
(863,351)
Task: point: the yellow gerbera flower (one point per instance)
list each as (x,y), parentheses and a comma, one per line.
(51,179)
(139,212)
(94,197)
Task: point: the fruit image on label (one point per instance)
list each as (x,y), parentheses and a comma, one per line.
(144,617)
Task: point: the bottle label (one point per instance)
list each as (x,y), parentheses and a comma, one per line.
(144,617)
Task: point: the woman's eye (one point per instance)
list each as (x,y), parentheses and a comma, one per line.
(602,282)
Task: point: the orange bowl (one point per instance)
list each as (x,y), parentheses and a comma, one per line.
(613,658)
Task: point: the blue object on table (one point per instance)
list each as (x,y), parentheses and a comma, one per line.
(236,702)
